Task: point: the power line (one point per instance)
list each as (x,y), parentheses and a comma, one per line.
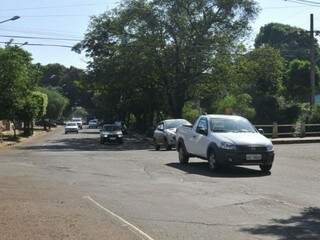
(40,44)
(53,7)
(316,4)
(283,7)
(308,1)
(41,38)
(49,33)
(52,15)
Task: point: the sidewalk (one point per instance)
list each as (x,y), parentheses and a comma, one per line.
(295,140)
(37,133)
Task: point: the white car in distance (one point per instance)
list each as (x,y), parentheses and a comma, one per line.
(78,121)
(71,127)
(93,123)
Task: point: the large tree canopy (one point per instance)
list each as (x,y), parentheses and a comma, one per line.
(293,42)
(171,43)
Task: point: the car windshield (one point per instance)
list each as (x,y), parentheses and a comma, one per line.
(231,125)
(175,123)
(71,124)
(111,128)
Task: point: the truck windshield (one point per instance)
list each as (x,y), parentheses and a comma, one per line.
(231,125)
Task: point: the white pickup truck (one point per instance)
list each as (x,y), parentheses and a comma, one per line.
(225,140)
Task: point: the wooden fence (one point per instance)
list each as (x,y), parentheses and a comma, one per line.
(290,130)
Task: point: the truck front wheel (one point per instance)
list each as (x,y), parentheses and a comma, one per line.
(183,155)
(213,164)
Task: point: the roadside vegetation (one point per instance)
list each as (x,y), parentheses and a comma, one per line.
(151,60)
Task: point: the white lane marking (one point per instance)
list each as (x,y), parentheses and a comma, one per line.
(134,228)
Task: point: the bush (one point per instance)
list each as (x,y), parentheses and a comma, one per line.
(190,111)
(240,105)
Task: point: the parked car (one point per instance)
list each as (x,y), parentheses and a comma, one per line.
(71,127)
(165,133)
(46,122)
(111,133)
(78,121)
(225,140)
(93,123)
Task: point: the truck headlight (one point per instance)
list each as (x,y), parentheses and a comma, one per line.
(120,135)
(227,146)
(270,148)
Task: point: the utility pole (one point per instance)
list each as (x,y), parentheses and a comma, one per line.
(312,61)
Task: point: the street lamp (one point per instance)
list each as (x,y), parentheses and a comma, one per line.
(11,19)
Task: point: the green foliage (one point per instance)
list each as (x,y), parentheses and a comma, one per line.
(56,103)
(71,82)
(293,42)
(148,56)
(79,112)
(265,71)
(298,80)
(15,81)
(191,111)
(239,105)
(315,115)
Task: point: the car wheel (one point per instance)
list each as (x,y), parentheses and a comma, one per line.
(166,143)
(213,164)
(183,155)
(265,168)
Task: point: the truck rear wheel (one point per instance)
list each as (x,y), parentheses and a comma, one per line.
(183,155)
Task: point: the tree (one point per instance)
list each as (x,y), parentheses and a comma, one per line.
(175,39)
(265,73)
(240,105)
(298,80)
(293,42)
(15,81)
(56,103)
(71,82)
(34,107)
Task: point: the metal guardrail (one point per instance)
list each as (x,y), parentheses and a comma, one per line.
(276,130)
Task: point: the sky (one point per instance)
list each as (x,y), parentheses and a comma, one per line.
(69,19)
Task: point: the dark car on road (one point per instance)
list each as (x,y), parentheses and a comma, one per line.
(111,133)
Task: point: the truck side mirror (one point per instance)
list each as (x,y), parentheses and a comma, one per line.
(261,131)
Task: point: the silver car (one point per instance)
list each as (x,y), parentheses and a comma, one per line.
(165,133)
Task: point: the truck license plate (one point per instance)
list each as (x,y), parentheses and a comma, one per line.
(252,157)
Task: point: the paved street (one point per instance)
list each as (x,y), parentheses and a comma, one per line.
(71,187)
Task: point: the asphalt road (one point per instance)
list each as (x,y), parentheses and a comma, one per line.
(71,187)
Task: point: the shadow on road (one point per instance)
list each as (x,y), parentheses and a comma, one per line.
(88,144)
(303,226)
(201,168)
